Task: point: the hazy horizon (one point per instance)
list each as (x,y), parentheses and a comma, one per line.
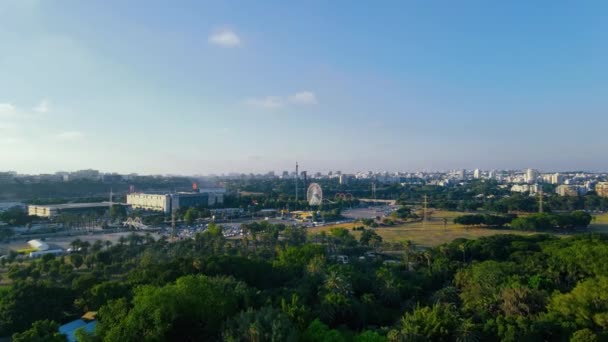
(219,87)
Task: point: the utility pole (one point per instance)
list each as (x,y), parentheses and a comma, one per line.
(424,211)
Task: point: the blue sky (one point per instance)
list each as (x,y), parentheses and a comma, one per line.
(196,87)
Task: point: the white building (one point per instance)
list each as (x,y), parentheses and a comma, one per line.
(530,176)
(52,210)
(153,202)
(557,178)
(571,190)
(168,202)
(477,174)
(601,189)
(520,188)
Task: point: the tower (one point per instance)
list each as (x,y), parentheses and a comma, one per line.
(296,182)
(111,197)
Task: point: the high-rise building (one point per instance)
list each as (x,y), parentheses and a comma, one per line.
(477,174)
(557,178)
(344,179)
(601,189)
(458,174)
(530,176)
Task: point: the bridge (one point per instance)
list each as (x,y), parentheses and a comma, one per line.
(378,201)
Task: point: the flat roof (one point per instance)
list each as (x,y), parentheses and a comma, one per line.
(75,205)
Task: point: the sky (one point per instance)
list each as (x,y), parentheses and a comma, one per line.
(200,87)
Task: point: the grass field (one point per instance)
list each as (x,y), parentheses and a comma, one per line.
(599,224)
(434,233)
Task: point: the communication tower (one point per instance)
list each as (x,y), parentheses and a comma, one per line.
(296,182)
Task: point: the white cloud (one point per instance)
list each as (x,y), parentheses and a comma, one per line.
(69,135)
(10,140)
(303,98)
(10,110)
(43,107)
(225,38)
(269,102)
(7,109)
(5,126)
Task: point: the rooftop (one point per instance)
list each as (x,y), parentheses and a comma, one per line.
(75,205)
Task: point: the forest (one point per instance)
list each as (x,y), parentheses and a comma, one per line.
(285,285)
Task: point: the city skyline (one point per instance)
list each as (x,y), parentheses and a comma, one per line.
(476,173)
(203,88)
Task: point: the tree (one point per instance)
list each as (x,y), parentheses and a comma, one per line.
(294,236)
(436,323)
(480,285)
(337,299)
(77,260)
(370,238)
(15,216)
(584,335)
(191,215)
(192,308)
(265,324)
(296,311)
(27,302)
(118,211)
(41,331)
(368,222)
(469,220)
(402,213)
(586,305)
(369,336)
(521,301)
(409,248)
(319,332)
